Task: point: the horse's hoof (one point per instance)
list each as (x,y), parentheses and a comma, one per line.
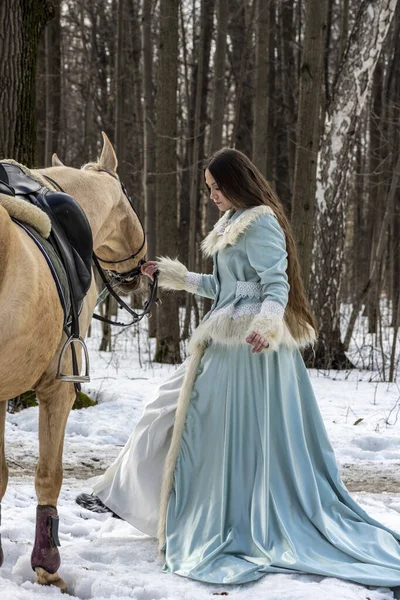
(45,578)
(45,554)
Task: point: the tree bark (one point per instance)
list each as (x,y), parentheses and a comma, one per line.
(350,93)
(167,349)
(119,83)
(53,83)
(308,133)
(272,40)
(376,192)
(200,119)
(207,9)
(218,104)
(149,132)
(21,24)
(149,153)
(289,85)
(41,102)
(240,30)
(133,158)
(260,124)
(217,119)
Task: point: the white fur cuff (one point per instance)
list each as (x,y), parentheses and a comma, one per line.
(172,273)
(270,326)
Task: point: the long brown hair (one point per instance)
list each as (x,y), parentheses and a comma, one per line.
(244,186)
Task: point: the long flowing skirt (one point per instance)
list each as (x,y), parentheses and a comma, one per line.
(256,486)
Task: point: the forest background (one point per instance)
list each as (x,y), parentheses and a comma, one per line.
(308,89)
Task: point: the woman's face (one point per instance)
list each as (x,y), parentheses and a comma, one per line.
(215,194)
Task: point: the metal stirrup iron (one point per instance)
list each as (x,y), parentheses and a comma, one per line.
(74,378)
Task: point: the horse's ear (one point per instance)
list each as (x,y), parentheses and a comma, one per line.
(55,161)
(108,158)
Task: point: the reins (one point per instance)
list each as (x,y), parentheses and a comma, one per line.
(136,317)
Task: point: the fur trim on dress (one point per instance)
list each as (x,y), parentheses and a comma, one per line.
(179,426)
(223,329)
(222,236)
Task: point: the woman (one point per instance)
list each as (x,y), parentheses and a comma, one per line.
(230,464)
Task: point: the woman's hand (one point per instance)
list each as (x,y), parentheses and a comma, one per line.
(149,268)
(258,341)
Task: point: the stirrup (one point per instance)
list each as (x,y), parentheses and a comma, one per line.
(74,378)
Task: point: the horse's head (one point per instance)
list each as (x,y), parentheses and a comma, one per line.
(118,236)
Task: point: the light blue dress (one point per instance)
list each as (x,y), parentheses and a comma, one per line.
(256,485)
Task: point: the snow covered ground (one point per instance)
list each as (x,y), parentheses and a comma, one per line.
(105,558)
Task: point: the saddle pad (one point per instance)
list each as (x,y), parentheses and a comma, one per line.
(56,267)
(26,213)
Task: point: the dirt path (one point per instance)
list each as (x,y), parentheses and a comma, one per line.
(368,477)
(373,478)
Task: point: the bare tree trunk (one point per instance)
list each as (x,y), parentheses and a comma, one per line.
(396,326)
(149,180)
(41,102)
(188,132)
(218,105)
(349,96)
(133,159)
(90,50)
(308,134)
(21,24)
(217,119)
(108,309)
(344,29)
(260,124)
(119,83)
(167,350)
(198,152)
(392,93)
(289,85)
(149,132)
(203,54)
(271,154)
(376,190)
(327,56)
(111,307)
(356,253)
(241,29)
(53,83)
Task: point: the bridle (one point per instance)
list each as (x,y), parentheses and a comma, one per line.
(127,277)
(121,277)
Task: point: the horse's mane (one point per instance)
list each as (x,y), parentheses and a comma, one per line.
(95,166)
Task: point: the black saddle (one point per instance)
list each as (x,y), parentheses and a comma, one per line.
(71,235)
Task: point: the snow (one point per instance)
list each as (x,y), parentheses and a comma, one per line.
(105,558)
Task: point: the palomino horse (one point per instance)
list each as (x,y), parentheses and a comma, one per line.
(31,329)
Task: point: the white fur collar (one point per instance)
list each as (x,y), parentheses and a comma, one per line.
(224,234)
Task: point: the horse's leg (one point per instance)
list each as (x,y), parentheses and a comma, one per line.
(3,464)
(55,403)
